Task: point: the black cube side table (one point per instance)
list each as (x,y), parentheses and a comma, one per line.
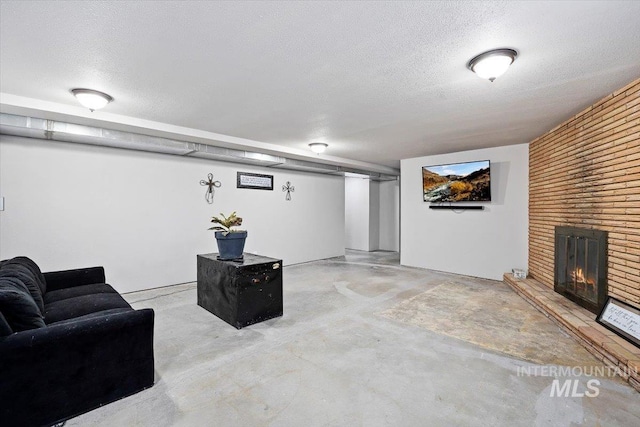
(240,293)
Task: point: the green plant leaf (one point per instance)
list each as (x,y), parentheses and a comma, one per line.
(226,222)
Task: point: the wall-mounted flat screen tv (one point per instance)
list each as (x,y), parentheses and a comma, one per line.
(457,182)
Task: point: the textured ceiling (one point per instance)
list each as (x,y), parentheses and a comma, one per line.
(377,81)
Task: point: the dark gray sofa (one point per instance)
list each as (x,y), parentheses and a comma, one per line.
(69,343)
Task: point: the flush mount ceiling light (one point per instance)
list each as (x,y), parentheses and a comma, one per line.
(92,99)
(492,64)
(318,147)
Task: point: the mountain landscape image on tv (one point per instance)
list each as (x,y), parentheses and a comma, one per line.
(457,182)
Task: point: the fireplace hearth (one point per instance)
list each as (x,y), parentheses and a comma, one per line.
(581,266)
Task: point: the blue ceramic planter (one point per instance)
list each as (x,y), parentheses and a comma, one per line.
(231,246)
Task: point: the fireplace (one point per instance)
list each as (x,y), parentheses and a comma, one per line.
(581,266)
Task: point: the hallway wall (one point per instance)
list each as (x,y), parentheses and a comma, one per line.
(372,214)
(356,223)
(389,236)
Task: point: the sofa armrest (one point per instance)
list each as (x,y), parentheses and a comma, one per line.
(53,373)
(70,278)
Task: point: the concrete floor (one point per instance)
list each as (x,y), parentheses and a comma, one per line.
(365,342)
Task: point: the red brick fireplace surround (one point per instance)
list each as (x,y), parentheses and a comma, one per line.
(586,173)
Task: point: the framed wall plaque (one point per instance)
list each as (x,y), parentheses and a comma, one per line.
(255,181)
(621,318)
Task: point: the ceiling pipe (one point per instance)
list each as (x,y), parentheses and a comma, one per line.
(54,130)
(35,108)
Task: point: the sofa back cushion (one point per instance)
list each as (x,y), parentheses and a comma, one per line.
(27,278)
(32,266)
(17,305)
(5,329)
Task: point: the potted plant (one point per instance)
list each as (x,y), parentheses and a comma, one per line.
(230,242)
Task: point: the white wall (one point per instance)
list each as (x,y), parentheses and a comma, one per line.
(356,213)
(143,215)
(389,216)
(374,215)
(484,243)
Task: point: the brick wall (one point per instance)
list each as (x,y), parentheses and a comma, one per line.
(586,173)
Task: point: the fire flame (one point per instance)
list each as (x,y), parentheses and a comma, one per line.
(578,276)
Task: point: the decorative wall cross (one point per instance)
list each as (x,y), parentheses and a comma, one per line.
(289,189)
(208,195)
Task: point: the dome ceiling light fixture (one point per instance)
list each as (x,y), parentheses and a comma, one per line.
(92,99)
(318,147)
(493,63)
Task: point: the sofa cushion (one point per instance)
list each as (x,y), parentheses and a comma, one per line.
(31,265)
(26,276)
(5,329)
(77,291)
(17,305)
(73,307)
(104,313)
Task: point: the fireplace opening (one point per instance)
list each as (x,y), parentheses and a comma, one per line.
(581,266)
